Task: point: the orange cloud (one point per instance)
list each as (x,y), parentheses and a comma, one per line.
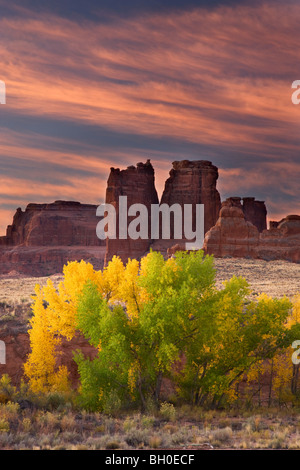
(178,71)
(216,78)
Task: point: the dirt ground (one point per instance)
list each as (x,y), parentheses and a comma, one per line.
(275,278)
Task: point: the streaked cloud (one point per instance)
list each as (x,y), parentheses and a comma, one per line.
(199,83)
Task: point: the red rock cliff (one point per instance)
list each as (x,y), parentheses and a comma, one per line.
(137,183)
(234,236)
(194,182)
(62,223)
(43,238)
(254,211)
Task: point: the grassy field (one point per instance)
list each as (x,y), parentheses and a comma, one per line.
(185,428)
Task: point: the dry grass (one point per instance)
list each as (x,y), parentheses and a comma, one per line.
(193,429)
(276,278)
(18,289)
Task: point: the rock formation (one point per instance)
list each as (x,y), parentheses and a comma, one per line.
(43,238)
(234,236)
(190,182)
(62,223)
(281,241)
(137,183)
(254,211)
(194,182)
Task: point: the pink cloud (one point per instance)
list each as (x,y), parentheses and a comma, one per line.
(218,77)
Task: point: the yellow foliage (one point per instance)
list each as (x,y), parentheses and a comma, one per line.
(295,316)
(112,277)
(283,366)
(54,315)
(132,377)
(53,318)
(40,367)
(283,371)
(133,285)
(128,290)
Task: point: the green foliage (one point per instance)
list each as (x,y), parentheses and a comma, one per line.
(7,390)
(234,338)
(152,320)
(137,351)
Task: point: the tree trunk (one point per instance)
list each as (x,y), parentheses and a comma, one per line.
(270,384)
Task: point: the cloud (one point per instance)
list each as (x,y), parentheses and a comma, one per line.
(199,83)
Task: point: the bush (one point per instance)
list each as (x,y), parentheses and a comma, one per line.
(4,425)
(168,411)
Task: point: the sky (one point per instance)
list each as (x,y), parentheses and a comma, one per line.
(92,85)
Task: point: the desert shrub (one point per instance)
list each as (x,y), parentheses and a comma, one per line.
(4,425)
(7,391)
(26,424)
(9,409)
(68,422)
(55,401)
(137,438)
(221,436)
(168,411)
(147,421)
(155,441)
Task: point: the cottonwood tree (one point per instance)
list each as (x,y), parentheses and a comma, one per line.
(152,320)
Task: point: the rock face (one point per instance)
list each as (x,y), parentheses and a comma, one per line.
(44,261)
(236,228)
(137,183)
(234,236)
(62,223)
(254,211)
(281,241)
(194,182)
(190,182)
(45,236)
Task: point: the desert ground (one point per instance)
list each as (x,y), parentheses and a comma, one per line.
(275,278)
